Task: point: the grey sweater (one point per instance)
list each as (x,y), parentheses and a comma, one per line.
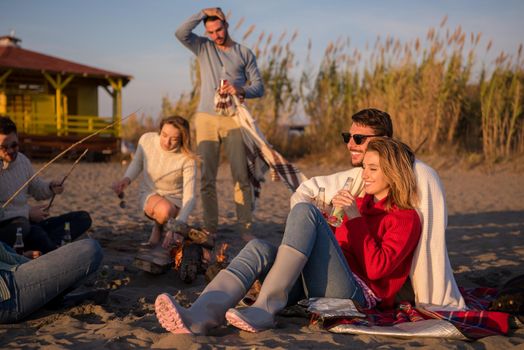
(12,178)
(239,63)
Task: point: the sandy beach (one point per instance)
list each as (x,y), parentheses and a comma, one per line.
(484,238)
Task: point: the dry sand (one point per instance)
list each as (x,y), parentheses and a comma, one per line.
(485,242)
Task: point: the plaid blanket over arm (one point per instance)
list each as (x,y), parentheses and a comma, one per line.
(261,156)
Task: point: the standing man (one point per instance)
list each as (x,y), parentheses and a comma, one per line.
(40,232)
(431,275)
(221,59)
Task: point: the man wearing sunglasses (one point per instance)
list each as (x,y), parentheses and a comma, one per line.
(431,275)
(40,232)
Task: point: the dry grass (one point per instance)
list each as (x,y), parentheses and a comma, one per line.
(427,85)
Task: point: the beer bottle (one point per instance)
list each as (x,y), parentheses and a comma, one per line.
(66,238)
(19,243)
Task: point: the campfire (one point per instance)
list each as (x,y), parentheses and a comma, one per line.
(189,259)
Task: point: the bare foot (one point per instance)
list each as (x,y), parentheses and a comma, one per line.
(156,235)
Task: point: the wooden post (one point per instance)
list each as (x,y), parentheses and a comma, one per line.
(3,98)
(58,85)
(58,97)
(117,104)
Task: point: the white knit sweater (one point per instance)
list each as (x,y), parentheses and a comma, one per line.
(431,274)
(12,177)
(169,174)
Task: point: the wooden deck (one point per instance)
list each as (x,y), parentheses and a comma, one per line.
(101,147)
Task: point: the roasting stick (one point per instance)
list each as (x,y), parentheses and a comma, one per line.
(65,177)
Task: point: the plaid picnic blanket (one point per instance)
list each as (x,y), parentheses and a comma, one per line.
(224,104)
(409,321)
(261,156)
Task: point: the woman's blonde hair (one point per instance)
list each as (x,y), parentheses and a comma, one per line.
(183,126)
(396,162)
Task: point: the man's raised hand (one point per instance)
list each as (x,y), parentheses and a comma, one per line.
(214,11)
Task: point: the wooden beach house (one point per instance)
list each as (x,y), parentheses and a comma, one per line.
(54,102)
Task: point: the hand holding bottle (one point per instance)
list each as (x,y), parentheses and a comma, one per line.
(343,202)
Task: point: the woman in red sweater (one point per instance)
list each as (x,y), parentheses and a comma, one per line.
(367,259)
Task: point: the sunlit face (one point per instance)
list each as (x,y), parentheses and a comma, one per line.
(357,151)
(170,137)
(8,147)
(217,31)
(375,181)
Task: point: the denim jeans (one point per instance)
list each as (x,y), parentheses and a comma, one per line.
(35,283)
(326,273)
(47,234)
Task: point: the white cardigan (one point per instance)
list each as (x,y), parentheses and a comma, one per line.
(431,274)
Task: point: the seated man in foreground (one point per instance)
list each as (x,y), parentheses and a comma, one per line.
(431,274)
(40,232)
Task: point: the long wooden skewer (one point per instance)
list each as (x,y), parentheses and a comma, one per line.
(65,177)
(60,155)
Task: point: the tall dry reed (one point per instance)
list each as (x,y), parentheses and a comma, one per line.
(427,85)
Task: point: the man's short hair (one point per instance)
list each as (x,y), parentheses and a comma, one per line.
(7,126)
(212,18)
(375,119)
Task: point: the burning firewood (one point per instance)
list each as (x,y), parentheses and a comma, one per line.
(221,262)
(188,256)
(187,260)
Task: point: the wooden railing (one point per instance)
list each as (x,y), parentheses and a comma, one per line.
(70,125)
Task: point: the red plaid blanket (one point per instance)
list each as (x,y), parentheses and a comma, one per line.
(474,324)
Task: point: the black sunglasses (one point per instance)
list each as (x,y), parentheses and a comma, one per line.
(358,138)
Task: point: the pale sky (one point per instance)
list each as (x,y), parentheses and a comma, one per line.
(136,37)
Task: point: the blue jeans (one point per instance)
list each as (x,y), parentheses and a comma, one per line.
(326,273)
(35,283)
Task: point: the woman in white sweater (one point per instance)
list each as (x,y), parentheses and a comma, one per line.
(169,171)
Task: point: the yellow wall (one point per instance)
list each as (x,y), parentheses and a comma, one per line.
(87,100)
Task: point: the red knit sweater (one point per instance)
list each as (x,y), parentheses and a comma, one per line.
(379,246)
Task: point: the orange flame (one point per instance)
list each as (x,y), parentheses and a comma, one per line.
(221,256)
(176,255)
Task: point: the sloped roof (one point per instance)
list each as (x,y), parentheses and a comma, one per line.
(18,58)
